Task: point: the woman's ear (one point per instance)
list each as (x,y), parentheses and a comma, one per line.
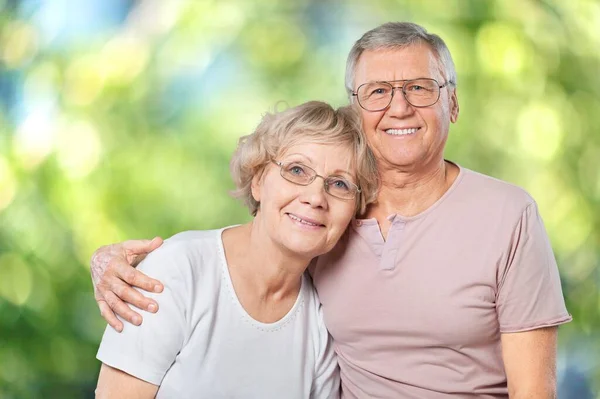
(255,186)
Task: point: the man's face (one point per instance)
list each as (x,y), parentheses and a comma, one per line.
(423,144)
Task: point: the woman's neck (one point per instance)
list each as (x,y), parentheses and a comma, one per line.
(266,278)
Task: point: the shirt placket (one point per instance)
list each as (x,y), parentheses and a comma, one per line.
(393,243)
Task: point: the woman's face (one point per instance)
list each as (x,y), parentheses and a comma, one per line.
(305,220)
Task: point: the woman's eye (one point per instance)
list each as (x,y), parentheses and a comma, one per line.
(296,170)
(341,185)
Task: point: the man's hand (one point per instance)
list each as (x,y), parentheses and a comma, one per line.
(114,275)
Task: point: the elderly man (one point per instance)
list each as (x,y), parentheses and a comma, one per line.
(447,286)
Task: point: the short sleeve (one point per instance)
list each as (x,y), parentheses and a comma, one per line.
(326,384)
(529,293)
(148,351)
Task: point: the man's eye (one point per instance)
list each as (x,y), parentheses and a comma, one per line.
(416,88)
(421,88)
(379,91)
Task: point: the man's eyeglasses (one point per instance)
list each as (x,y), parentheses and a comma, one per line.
(337,186)
(377,96)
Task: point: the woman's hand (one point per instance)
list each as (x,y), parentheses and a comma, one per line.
(114,275)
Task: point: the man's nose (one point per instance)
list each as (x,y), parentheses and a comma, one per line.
(399,104)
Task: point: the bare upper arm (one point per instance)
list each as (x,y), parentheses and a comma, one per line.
(530,362)
(114,384)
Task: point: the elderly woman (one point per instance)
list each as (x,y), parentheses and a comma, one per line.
(239,317)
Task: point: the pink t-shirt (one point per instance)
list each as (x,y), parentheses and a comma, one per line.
(420,315)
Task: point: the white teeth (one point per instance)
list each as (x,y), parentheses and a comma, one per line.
(301,220)
(401,132)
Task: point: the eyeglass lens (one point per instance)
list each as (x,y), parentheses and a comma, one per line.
(335,185)
(378,95)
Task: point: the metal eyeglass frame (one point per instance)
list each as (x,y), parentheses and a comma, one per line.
(312,179)
(394,88)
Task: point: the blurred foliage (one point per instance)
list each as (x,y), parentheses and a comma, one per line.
(118,118)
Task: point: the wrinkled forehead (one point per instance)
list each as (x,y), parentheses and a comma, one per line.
(389,64)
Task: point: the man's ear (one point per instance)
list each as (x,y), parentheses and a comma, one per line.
(454,108)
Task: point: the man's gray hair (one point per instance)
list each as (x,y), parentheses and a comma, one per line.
(396,35)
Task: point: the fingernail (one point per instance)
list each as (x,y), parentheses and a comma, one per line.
(152,308)
(157,288)
(137,320)
(119,329)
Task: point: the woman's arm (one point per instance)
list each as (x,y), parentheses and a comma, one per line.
(114,384)
(147,352)
(530,363)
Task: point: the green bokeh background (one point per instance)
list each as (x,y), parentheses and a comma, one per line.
(118,118)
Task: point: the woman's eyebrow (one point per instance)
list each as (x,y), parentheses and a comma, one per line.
(341,172)
(301,155)
(336,172)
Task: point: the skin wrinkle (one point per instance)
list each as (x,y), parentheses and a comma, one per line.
(268,290)
(414,176)
(412,169)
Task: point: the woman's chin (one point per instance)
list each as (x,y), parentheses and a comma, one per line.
(304,249)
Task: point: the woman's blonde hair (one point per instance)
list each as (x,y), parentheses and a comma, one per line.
(315,122)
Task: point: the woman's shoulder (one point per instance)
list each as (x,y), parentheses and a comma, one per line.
(313,314)
(186,254)
(311,301)
(192,239)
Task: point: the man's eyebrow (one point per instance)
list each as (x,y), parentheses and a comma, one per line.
(397,80)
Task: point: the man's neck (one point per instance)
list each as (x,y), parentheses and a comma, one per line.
(409,193)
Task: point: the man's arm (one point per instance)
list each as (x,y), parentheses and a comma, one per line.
(114,384)
(530,363)
(113,275)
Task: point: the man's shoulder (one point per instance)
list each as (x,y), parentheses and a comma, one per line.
(492,190)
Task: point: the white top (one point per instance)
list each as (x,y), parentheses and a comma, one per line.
(202,343)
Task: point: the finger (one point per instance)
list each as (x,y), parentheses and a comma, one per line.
(134,297)
(121,309)
(108,315)
(138,279)
(141,247)
(155,243)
